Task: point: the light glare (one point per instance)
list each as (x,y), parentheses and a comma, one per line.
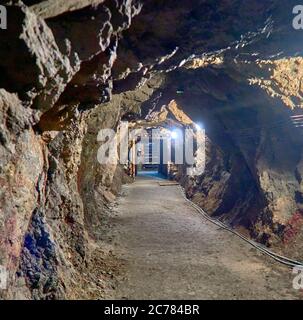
(198,127)
(174,134)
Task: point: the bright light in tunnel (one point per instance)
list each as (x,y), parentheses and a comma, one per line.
(174,134)
(199,127)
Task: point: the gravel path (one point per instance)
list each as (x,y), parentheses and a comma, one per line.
(171,252)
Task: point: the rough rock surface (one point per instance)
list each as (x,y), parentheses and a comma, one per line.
(22,178)
(71,68)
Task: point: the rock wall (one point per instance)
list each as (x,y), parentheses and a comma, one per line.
(49,207)
(22,177)
(71,68)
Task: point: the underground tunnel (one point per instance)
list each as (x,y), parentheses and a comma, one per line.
(151,149)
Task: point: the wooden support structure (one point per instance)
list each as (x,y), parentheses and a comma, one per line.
(133,159)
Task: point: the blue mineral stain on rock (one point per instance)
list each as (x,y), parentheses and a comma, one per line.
(38,259)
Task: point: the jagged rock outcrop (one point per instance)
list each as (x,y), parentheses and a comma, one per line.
(71,68)
(22,178)
(31,63)
(45,243)
(48,9)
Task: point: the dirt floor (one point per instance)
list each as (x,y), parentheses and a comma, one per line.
(170,252)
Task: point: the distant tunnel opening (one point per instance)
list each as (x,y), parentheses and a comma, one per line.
(165,150)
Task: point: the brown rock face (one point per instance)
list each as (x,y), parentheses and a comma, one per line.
(37,71)
(22,178)
(71,68)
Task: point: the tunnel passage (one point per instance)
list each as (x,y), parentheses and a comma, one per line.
(76,67)
(253,146)
(174,143)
